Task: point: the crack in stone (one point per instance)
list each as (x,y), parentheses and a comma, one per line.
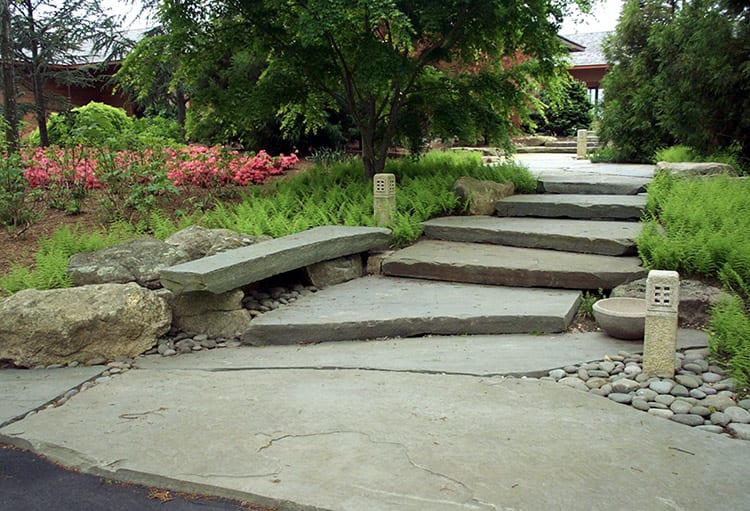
(479,504)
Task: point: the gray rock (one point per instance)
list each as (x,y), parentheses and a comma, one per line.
(595,383)
(647,394)
(481,195)
(692,169)
(741,431)
(598,373)
(697,394)
(712,377)
(709,391)
(335,271)
(625,386)
(632,369)
(658,412)
(718,402)
(619,397)
(606,388)
(679,391)
(81,323)
(720,418)
(745,403)
(640,404)
(213,315)
(689,381)
(197,241)
(661,387)
(607,366)
(688,419)
(583,374)
(138,261)
(665,399)
(572,381)
(681,407)
(557,374)
(700,410)
(737,414)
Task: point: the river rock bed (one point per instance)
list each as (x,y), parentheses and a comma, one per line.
(699,395)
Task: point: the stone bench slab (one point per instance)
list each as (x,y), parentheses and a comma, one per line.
(375,307)
(242,266)
(620,207)
(511,266)
(585,236)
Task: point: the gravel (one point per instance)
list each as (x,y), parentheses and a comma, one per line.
(699,395)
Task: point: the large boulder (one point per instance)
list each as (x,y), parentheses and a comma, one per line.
(139,261)
(199,242)
(216,315)
(692,169)
(39,328)
(482,196)
(696,299)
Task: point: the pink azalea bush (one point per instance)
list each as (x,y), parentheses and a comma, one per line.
(191,165)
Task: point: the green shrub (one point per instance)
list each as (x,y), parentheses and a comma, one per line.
(564,115)
(93,124)
(607,154)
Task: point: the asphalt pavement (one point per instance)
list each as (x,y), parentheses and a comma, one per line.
(29,482)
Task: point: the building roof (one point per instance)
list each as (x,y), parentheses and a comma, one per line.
(593,54)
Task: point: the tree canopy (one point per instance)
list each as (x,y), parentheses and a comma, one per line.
(680,74)
(399,69)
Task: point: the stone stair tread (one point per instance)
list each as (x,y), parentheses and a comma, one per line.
(511,266)
(585,236)
(595,184)
(583,206)
(375,307)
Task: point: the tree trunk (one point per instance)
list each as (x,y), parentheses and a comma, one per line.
(9,80)
(181,105)
(40,105)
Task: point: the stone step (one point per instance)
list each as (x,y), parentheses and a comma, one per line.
(511,266)
(551,149)
(585,236)
(591,184)
(618,207)
(376,307)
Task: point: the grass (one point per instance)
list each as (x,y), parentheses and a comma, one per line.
(325,195)
(700,227)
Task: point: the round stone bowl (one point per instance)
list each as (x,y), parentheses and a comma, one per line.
(621,318)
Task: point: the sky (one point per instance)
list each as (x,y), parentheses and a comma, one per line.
(603,16)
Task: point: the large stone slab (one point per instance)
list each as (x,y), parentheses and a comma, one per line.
(579,206)
(594,184)
(25,390)
(585,236)
(241,266)
(511,266)
(478,355)
(354,440)
(374,307)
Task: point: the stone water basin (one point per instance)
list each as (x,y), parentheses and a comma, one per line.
(622,318)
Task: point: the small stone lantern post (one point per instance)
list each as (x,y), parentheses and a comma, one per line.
(582,143)
(660,337)
(384,198)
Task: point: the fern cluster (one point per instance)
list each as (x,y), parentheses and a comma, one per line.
(701,226)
